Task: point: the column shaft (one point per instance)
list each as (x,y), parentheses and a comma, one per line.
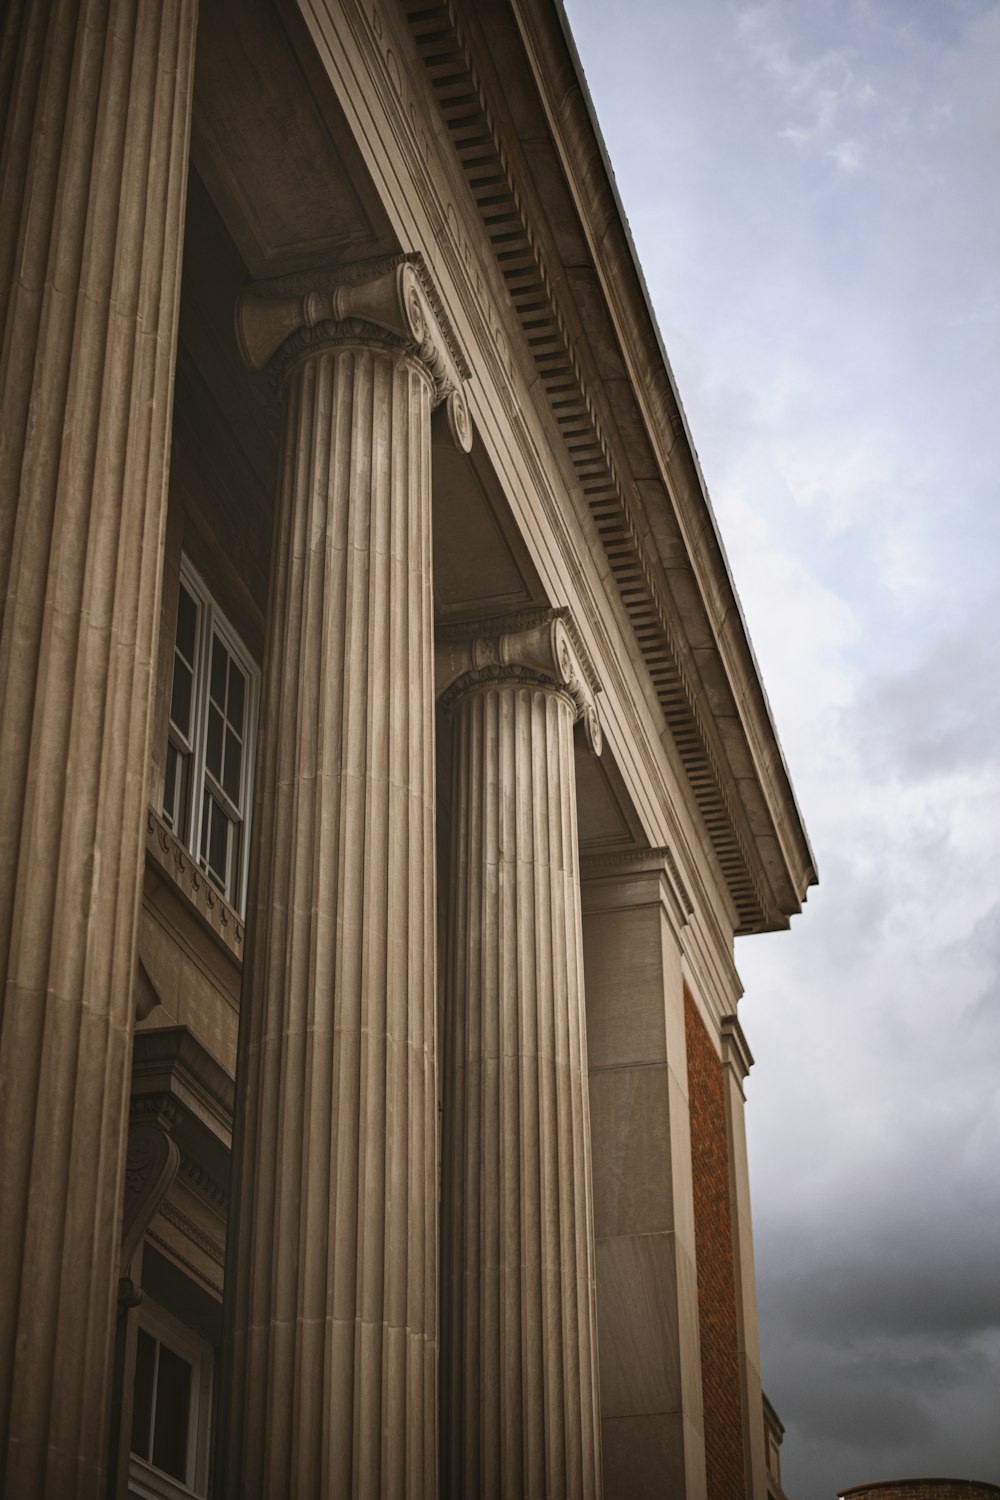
(92,177)
(333,1270)
(519,1387)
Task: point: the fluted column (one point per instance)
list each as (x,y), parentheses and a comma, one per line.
(519,1357)
(95,119)
(332,1275)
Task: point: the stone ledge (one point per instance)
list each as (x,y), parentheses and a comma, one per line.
(169,857)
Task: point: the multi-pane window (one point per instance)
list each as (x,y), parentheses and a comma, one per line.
(171,1402)
(208,775)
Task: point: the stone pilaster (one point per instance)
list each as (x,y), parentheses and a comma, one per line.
(635,908)
(738,1061)
(519,1353)
(332,1270)
(92,178)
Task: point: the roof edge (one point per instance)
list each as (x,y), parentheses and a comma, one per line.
(800,857)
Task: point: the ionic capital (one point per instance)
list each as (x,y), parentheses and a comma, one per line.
(540,646)
(390,302)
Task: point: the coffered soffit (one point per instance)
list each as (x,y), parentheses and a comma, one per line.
(270,142)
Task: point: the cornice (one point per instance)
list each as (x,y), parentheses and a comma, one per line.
(167,1243)
(170,1063)
(735,688)
(764,890)
(208,1244)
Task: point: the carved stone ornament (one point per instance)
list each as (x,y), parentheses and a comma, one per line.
(390,302)
(146,996)
(169,856)
(536,646)
(150,1167)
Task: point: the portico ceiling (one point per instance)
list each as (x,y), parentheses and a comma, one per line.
(515,110)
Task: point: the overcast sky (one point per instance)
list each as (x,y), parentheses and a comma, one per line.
(814,190)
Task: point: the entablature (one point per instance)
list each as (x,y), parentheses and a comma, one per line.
(536,173)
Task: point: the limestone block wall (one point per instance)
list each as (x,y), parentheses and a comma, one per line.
(713,1226)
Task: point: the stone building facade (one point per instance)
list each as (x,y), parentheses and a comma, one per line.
(386,774)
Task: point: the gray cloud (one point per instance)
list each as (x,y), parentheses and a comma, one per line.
(928,1281)
(941,714)
(812,186)
(877,1408)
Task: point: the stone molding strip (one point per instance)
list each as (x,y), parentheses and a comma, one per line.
(206,1243)
(204,1184)
(735,1048)
(175,1078)
(166,1243)
(641,860)
(174,861)
(171,1061)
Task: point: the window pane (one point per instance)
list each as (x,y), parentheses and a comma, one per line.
(219,658)
(212,724)
(231,769)
(236,697)
(180,697)
(142,1400)
(215,843)
(170,786)
(218,846)
(187,624)
(173,1411)
(213,750)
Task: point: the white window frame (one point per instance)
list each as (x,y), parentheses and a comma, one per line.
(211,622)
(145,1481)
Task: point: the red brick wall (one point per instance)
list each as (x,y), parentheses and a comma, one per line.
(713,1236)
(924,1489)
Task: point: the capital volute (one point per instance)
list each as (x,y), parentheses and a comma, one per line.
(390,302)
(540,646)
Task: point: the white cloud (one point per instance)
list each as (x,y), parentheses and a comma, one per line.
(848,155)
(818,85)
